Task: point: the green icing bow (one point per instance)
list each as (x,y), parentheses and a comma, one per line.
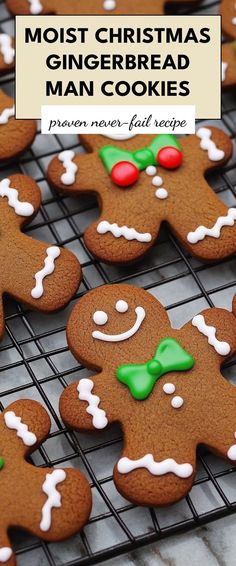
(142,158)
(141,378)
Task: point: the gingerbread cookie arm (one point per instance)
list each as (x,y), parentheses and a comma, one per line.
(228,13)
(228,65)
(85,7)
(15,135)
(26,424)
(83,404)
(70,173)
(40,273)
(7,53)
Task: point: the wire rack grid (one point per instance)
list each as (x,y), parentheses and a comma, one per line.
(35,361)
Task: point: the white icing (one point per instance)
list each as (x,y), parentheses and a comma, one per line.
(119,137)
(53,497)
(201,232)
(125,465)
(232,451)
(177,402)
(35,7)
(109,5)
(117,231)
(21,208)
(224,70)
(66,158)
(122,306)
(5,553)
(157,181)
(151,170)
(84,389)
(214,153)
(49,265)
(222,348)
(140,312)
(161,193)
(6,49)
(234,18)
(6,114)
(169,388)
(100,318)
(14,422)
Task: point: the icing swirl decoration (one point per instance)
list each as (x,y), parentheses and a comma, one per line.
(207,144)
(222,348)
(128,233)
(126,465)
(66,157)
(21,208)
(6,49)
(141,378)
(6,114)
(84,389)
(22,430)
(53,497)
(201,232)
(53,253)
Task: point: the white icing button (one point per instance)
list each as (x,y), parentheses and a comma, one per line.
(100,318)
(151,170)
(161,193)
(5,553)
(169,388)
(122,306)
(177,402)
(232,452)
(109,5)
(119,137)
(157,181)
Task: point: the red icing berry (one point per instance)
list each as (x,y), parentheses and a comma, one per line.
(169,157)
(124,174)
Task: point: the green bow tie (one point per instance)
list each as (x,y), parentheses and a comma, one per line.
(141,378)
(142,157)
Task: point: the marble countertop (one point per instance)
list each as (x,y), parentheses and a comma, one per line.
(213,544)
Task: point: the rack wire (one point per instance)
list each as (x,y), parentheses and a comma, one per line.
(35,361)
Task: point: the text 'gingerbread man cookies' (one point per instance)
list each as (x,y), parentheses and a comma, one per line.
(52,504)
(43,276)
(90,7)
(145,180)
(7,53)
(15,135)
(163,386)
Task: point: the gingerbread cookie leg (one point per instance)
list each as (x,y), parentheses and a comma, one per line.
(228,65)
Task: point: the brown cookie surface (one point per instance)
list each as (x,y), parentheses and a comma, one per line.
(228,65)
(163,386)
(228,13)
(130,216)
(43,276)
(7,53)
(50,503)
(15,135)
(86,7)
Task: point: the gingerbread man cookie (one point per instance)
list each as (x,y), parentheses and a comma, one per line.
(228,65)
(15,135)
(43,276)
(145,180)
(52,504)
(163,386)
(90,7)
(7,53)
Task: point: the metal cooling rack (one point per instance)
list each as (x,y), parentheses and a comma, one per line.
(35,361)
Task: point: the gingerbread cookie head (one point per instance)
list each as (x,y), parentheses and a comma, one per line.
(43,276)
(92,7)
(52,504)
(7,53)
(163,386)
(15,135)
(144,180)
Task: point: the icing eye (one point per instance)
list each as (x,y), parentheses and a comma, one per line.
(100,318)
(122,306)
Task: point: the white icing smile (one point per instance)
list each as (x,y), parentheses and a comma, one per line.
(140,316)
